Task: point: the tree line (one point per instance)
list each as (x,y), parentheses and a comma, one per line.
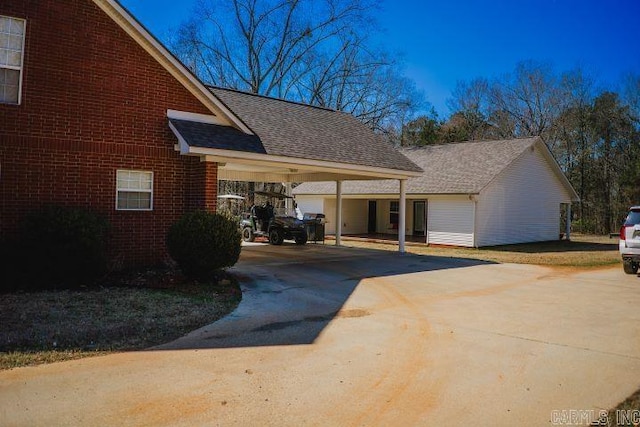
(323,53)
(593,132)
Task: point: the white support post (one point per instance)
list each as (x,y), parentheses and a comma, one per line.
(338,212)
(402,220)
(568,225)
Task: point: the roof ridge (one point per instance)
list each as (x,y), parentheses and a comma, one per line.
(273,98)
(458,143)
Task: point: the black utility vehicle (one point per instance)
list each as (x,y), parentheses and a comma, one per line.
(262,221)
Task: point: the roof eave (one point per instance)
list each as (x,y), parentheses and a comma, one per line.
(556,169)
(363,171)
(551,161)
(387,194)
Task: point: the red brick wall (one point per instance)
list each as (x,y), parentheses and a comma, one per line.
(93,101)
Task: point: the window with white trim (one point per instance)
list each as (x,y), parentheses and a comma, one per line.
(394,209)
(12,33)
(134,190)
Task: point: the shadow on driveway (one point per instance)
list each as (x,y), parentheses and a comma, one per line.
(291,293)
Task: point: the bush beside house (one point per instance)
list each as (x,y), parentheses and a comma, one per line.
(203,243)
(57,247)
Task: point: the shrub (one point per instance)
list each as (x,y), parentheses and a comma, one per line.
(203,243)
(62,247)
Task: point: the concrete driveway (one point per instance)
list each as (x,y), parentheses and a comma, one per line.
(336,336)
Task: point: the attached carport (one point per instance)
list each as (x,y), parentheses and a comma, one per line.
(273,140)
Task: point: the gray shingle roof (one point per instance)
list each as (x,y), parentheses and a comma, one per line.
(301,131)
(208,135)
(461,168)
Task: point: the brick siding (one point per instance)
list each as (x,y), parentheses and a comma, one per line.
(93,101)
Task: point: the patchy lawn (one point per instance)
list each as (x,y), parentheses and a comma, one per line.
(581,251)
(51,326)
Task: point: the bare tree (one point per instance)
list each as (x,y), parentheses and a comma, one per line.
(312,51)
(527,101)
(470,104)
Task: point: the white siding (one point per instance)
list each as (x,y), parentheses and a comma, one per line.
(522,204)
(354,216)
(354,213)
(330,215)
(450,221)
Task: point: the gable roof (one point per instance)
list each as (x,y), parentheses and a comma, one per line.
(289,134)
(292,129)
(459,168)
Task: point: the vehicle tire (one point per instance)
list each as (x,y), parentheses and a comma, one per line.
(247,234)
(275,236)
(301,239)
(630,267)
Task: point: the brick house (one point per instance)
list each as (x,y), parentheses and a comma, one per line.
(90,106)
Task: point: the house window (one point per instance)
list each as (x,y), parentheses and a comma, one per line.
(134,190)
(11,58)
(394,209)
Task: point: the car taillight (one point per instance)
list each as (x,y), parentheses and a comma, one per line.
(623,232)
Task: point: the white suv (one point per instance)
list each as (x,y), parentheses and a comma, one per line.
(630,241)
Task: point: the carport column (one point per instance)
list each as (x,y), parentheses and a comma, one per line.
(338,212)
(402,213)
(568,226)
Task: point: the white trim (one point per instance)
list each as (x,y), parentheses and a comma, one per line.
(228,156)
(384,196)
(138,190)
(132,27)
(20,69)
(195,117)
(546,153)
(475,220)
(551,161)
(182,145)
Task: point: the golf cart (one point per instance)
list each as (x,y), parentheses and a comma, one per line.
(273,223)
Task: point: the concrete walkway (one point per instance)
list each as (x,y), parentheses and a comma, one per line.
(335,336)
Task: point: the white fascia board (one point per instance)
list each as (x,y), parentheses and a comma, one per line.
(195,117)
(382,196)
(546,153)
(182,145)
(225,156)
(149,43)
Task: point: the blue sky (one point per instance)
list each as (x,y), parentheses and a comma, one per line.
(443,41)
